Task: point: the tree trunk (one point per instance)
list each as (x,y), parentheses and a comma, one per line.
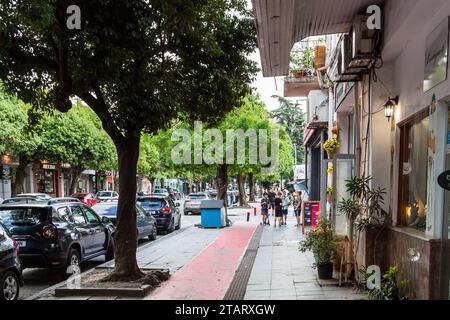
(222,182)
(76,173)
(241,187)
(20,175)
(251,182)
(161,182)
(125,239)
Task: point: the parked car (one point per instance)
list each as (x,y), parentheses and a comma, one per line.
(60,233)
(161,192)
(17,200)
(86,198)
(37,196)
(107,196)
(10,267)
(165,211)
(145,222)
(193,201)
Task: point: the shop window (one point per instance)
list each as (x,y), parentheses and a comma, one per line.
(413,172)
(46,181)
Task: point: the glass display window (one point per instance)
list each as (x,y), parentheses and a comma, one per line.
(413,172)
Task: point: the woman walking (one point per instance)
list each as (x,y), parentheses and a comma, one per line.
(278,209)
(298,207)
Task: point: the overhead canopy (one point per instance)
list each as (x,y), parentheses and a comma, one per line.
(281,23)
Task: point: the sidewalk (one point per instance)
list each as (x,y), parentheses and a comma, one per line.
(282,272)
(211,263)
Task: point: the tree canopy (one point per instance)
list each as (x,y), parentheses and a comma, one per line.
(138,64)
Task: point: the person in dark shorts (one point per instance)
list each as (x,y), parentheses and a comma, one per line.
(272,196)
(278,209)
(285,208)
(298,207)
(265,210)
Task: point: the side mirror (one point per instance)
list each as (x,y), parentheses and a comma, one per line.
(105,219)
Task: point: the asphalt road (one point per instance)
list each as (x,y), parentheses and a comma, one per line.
(37,279)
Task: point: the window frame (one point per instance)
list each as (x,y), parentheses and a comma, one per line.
(403,181)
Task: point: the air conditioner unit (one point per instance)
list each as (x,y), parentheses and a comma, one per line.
(362,37)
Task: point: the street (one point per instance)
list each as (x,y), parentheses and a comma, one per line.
(37,279)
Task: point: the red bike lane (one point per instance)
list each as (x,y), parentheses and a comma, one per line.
(209,274)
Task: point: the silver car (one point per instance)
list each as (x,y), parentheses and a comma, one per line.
(107,196)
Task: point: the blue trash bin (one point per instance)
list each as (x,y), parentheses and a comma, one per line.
(213,214)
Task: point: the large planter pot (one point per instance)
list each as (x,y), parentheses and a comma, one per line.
(325,270)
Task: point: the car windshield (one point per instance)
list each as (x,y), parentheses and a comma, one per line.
(160,191)
(197,196)
(151,202)
(105,210)
(23,216)
(104,194)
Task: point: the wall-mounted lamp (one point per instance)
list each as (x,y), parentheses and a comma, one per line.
(389,107)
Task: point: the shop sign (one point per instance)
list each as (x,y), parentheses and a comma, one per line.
(5,172)
(444,180)
(448,143)
(47,166)
(65,165)
(436,56)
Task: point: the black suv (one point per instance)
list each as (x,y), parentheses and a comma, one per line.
(58,233)
(163,209)
(10,267)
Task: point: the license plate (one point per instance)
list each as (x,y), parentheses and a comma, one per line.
(21,243)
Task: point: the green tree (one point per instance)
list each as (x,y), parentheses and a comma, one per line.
(137,65)
(17,138)
(74,138)
(292,118)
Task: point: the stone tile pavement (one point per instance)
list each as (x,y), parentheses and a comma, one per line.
(281,272)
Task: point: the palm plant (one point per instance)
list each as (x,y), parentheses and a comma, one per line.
(363,209)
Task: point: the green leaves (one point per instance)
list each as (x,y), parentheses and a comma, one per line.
(364,207)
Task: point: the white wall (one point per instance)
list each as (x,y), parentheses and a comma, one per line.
(408,64)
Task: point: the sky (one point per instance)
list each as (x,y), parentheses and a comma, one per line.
(267,87)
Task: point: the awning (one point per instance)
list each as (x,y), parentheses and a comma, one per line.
(281,23)
(309,135)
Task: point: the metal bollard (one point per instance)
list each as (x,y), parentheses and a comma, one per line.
(254,211)
(248,216)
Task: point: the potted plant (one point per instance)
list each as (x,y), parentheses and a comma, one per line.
(330,146)
(322,242)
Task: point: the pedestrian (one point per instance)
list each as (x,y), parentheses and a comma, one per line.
(272,196)
(278,202)
(265,210)
(298,207)
(285,203)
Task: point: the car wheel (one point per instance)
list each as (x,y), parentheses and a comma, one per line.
(9,286)
(152,236)
(73,263)
(110,251)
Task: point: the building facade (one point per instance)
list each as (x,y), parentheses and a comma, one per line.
(403,74)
